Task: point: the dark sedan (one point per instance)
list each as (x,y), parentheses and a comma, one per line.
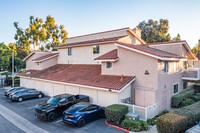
(25,94)
(82,113)
(12,90)
(55,106)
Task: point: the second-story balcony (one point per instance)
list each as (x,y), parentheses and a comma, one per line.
(191,74)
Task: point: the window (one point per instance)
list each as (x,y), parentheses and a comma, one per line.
(108,65)
(62,101)
(31,91)
(175,88)
(185,84)
(70,98)
(165,66)
(89,108)
(69,51)
(96,49)
(176,66)
(38,64)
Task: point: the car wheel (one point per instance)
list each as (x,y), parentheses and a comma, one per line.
(40,96)
(81,122)
(20,99)
(51,116)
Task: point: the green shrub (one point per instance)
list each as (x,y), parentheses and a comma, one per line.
(17,82)
(196,87)
(187,102)
(177,99)
(153,120)
(195,98)
(116,113)
(134,125)
(192,112)
(171,123)
(20,71)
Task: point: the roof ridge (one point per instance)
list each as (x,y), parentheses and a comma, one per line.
(164,42)
(52,54)
(99,32)
(157,54)
(91,41)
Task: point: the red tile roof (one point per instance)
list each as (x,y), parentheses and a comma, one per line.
(151,50)
(104,40)
(45,57)
(88,75)
(112,55)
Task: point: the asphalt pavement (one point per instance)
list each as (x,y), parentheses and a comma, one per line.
(23,113)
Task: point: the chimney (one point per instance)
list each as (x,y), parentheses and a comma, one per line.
(122,78)
(137,31)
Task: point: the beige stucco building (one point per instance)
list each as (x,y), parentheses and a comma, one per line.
(115,66)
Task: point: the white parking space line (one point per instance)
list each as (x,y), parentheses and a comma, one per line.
(31,107)
(59,120)
(19,121)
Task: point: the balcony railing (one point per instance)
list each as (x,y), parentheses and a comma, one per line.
(191,74)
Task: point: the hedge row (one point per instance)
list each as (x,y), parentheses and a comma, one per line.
(171,123)
(177,99)
(192,112)
(116,113)
(196,87)
(134,125)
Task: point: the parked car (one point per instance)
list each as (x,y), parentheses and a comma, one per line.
(82,113)
(25,94)
(55,106)
(12,90)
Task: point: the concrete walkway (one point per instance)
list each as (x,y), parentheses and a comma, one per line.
(19,121)
(151,130)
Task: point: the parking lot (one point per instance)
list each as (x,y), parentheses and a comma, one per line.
(23,112)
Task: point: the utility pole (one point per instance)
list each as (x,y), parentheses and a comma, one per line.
(13,84)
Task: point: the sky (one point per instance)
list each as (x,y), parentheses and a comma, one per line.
(89,16)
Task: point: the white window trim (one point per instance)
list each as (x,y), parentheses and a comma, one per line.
(173,88)
(109,68)
(167,67)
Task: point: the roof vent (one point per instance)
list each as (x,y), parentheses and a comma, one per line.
(28,73)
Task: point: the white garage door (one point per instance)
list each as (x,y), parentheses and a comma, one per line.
(48,89)
(22,82)
(40,86)
(91,93)
(72,90)
(58,89)
(107,98)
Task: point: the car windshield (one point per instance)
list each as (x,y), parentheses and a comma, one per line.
(74,108)
(53,100)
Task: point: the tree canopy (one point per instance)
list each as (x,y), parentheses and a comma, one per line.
(154,31)
(6,58)
(196,49)
(40,35)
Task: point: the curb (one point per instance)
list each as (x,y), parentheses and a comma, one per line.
(119,128)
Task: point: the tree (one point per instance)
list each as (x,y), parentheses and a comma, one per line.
(5,55)
(39,35)
(177,38)
(154,31)
(6,58)
(196,49)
